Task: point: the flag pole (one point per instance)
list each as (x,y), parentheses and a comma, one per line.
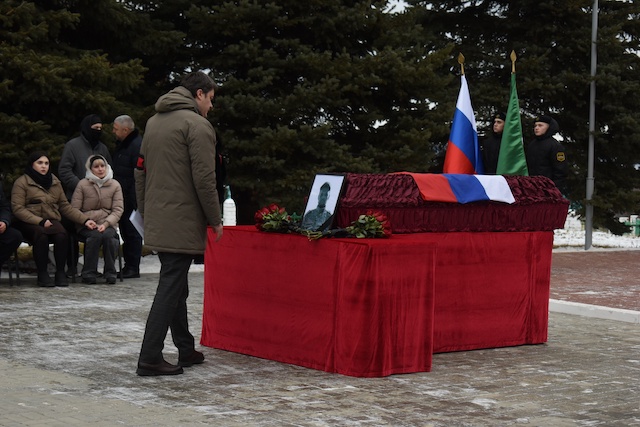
(463,152)
(588,224)
(511,157)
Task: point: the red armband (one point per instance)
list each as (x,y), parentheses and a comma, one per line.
(140,163)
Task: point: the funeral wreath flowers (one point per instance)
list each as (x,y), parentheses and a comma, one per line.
(274,218)
(371,224)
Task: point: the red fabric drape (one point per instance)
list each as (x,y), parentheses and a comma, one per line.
(539,206)
(492,289)
(374,307)
(338,305)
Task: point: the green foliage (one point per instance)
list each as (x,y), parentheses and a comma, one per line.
(326,86)
(311,87)
(275,219)
(370,225)
(553,43)
(49,83)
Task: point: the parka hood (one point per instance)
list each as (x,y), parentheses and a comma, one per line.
(89,174)
(177,99)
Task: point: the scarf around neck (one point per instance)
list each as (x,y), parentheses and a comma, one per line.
(45,181)
(100,181)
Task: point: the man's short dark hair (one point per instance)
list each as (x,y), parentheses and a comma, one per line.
(198,80)
(325,187)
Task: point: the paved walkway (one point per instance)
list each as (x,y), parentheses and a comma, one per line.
(68,356)
(597,283)
(606,278)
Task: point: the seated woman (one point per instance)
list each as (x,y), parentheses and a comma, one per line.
(99,196)
(38,202)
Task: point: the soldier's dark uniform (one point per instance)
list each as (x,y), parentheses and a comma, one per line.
(546,156)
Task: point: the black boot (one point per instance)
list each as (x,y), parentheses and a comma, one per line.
(44,279)
(61,278)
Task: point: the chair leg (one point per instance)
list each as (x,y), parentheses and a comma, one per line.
(72,262)
(16,264)
(9,268)
(119,259)
(12,264)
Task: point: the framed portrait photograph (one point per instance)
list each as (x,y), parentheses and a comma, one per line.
(323,199)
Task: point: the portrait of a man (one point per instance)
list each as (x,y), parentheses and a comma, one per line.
(322,202)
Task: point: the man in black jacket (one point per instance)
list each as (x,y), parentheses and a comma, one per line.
(10,238)
(125,157)
(545,155)
(491,144)
(74,157)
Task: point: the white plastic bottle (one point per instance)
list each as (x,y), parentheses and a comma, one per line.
(228,208)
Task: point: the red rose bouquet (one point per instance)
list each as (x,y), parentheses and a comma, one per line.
(371,224)
(274,218)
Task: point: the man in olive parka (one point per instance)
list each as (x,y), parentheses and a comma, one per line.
(177,197)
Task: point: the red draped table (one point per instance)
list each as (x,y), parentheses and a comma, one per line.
(338,305)
(374,307)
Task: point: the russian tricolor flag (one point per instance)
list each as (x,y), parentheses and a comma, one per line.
(463,150)
(463,188)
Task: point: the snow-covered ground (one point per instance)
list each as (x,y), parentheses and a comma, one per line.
(575,239)
(572,236)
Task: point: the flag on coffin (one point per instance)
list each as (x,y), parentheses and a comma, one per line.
(462,188)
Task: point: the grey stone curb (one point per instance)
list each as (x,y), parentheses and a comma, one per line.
(595,311)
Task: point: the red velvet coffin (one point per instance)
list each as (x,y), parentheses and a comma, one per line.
(539,206)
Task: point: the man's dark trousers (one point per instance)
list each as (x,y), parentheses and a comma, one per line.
(169,309)
(132,246)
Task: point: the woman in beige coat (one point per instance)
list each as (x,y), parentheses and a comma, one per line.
(38,203)
(99,196)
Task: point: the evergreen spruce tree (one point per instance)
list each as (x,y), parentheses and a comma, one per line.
(326,86)
(316,87)
(48,83)
(141,30)
(553,42)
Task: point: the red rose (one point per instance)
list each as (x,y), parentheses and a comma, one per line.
(282,210)
(386,228)
(273,207)
(260,214)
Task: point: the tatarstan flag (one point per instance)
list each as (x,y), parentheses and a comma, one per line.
(511,159)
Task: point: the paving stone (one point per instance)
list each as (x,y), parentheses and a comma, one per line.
(68,357)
